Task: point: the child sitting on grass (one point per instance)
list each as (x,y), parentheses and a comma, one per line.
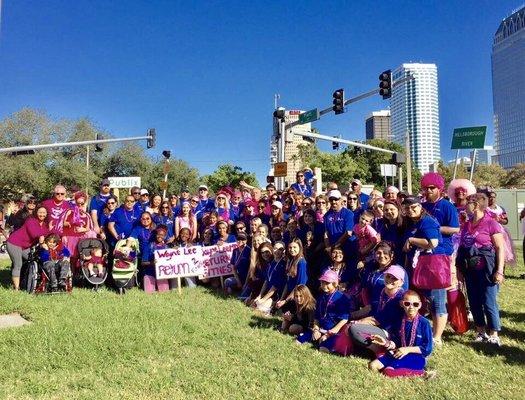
(367,237)
(298,312)
(411,343)
(331,313)
(55,258)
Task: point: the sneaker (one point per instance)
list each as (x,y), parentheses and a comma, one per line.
(437,343)
(429,375)
(495,340)
(481,337)
(470,317)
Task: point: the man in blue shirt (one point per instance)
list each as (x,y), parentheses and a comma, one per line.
(363,197)
(300,186)
(98,202)
(338,222)
(206,204)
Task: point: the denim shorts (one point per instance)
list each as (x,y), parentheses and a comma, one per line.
(438,301)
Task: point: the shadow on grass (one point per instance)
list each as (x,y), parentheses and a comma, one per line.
(262,322)
(515,317)
(512,355)
(5,278)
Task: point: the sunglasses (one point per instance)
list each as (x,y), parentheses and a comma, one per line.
(307,204)
(173,197)
(111,202)
(164,207)
(60,194)
(431,188)
(321,202)
(105,184)
(31,201)
(266,252)
(411,303)
(130,201)
(352,198)
(260,207)
(134,193)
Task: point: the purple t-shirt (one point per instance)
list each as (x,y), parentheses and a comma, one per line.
(28,234)
(480,234)
(54,212)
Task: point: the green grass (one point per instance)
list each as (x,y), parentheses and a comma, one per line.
(199,345)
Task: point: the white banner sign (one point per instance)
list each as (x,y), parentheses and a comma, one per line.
(388,170)
(205,262)
(124,182)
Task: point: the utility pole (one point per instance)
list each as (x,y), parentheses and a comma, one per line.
(408,162)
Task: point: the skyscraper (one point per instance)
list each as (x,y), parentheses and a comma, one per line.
(414,109)
(508,70)
(378,125)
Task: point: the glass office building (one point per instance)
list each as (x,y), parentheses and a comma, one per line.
(508,90)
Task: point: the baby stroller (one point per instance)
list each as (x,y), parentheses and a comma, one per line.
(125,264)
(92,251)
(34,279)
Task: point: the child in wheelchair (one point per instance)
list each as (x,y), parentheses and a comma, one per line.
(55,261)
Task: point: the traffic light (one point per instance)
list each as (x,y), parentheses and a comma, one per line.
(98,146)
(152,138)
(385,84)
(398,158)
(339,101)
(279,113)
(166,154)
(335,145)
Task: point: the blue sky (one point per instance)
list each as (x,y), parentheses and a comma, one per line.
(204,74)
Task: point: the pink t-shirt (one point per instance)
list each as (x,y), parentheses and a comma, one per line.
(365,235)
(54,212)
(480,234)
(28,234)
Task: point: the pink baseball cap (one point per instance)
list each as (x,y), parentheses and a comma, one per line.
(329,276)
(396,271)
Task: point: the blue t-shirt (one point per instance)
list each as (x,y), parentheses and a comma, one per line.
(393,234)
(241,262)
(276,275)
(363,198)
(124,220)
(336,223)
(300,278)
(423,337)
(331,308)
(144,236)
(305,189)
(374,280)
(426,228)
(98,203)
(389,310)
(166,221)
(446,214)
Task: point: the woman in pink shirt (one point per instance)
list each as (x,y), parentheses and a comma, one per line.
(481,257)
(21,240)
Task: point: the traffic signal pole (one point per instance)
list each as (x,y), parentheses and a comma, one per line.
(70,144)
(343,141)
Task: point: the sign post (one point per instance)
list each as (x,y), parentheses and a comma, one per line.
(280,169)
(124,182)
(472,137)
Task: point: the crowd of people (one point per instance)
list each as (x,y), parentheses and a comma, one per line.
(344,270)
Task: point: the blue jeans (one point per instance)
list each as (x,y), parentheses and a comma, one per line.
(483,299)
(438,301)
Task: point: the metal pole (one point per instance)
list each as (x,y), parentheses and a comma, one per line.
(87,170)
(165,179)
(282,139)
(408,162)
(456,164)
(343,141)
(473,164)
(400,178)
(69,144)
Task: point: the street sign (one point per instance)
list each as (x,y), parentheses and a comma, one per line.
(388,170)
(122,182)
(309,116)
(166,167)
(280,169)
(163,185)
(469,138)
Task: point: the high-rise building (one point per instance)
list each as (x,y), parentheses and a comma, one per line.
(483,156)
(291,145)
(378,125)
(508,70)
(414,109)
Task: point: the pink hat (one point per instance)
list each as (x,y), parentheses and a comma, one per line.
(460,183)
(396,271)
(433,179)
(277,204)
(329,276)
(251,203)
(80,195)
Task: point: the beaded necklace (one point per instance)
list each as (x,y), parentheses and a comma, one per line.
(131,216)
(382,301)
(415,323)
(328,303)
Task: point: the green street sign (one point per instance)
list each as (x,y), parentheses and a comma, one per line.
(469,138)
(309,116)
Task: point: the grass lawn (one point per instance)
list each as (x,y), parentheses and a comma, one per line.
(199,345)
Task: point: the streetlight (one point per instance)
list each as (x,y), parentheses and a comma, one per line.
(166,168)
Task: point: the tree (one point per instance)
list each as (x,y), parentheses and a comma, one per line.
(447,171)
(516,176)
(489,175)
(229,175)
